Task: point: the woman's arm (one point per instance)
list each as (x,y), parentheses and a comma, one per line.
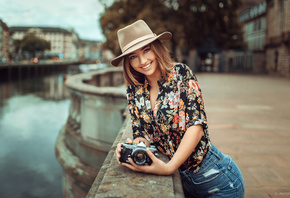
(138,131)
(189,141)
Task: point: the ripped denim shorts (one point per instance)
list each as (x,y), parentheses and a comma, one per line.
(218,176)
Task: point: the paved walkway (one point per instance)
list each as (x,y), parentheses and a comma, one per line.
(249,119)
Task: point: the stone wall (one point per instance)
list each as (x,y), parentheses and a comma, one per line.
(278,38)
(96,114)
(278,60)
(259,62)
(115,180)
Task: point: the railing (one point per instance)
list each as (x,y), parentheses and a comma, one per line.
(98,100)
(98,103)
(115,180)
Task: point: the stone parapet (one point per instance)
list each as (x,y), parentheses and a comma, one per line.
(78,176)
(97,99)
(101,82)
(98,102)
(115,180)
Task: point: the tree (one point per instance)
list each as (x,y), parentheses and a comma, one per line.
(218,20)
(122,13)
(32,44)
(17,45)
(190,21)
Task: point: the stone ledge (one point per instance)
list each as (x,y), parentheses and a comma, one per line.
(80,82)
(114,180)
(72,165)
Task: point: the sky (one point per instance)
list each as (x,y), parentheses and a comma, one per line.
(82,16)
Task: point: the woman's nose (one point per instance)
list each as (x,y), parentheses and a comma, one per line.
(143,59)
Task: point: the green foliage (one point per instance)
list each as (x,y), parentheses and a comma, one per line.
(190,21)
(122,13)
(31,43)
(17,45)
(211,19)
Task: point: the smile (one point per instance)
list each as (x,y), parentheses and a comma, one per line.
(147,66)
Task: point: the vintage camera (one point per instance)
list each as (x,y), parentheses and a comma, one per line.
(137,152)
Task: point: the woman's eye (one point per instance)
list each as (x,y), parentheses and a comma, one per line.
(146,50)
(132,57)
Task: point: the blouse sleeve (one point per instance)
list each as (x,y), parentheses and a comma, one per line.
(136,125)
(194,107)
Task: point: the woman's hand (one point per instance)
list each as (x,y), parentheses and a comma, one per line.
(118,149)
(157,167)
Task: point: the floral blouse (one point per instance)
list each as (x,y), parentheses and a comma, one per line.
(178,106)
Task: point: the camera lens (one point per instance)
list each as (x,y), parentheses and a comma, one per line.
(139,157)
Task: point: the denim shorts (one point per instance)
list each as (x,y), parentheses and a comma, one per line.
(218,176)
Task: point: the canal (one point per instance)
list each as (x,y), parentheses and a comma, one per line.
(32,112)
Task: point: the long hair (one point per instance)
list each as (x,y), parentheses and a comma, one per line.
(164,62)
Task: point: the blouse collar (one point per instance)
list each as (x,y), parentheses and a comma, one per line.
(160,82)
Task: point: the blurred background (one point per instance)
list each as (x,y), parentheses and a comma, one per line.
(44,43)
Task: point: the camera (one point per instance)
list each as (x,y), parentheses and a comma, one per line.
(137,152)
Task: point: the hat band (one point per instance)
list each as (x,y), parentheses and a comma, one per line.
(137,41)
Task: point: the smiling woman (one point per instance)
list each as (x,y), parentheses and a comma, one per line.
(167,111)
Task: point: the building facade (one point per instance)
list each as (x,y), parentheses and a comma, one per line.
(254,18)
(255,26)
(64,43)
(90,51)
(278,37)
(267,33)
(5,43)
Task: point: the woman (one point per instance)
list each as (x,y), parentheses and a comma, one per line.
(167,110)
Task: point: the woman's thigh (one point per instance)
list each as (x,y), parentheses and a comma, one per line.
(219,176)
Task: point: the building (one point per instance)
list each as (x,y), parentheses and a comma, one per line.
(255,28)
(254,18)
(5,43)
(278,37)
(267,33)
(64,43)
(90,51)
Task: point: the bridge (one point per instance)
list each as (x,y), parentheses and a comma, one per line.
(25,69)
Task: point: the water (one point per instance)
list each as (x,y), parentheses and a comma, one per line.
(32,112)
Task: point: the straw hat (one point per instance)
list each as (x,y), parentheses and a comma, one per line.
(135,36)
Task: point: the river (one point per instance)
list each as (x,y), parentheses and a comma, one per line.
(32,112)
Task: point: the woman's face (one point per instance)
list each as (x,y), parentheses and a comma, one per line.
(144,61)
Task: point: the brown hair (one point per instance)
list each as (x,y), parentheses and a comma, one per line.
(164,61)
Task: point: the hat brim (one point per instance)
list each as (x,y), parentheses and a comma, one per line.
(165,36)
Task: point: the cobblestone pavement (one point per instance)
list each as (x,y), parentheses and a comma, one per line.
(249,119)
